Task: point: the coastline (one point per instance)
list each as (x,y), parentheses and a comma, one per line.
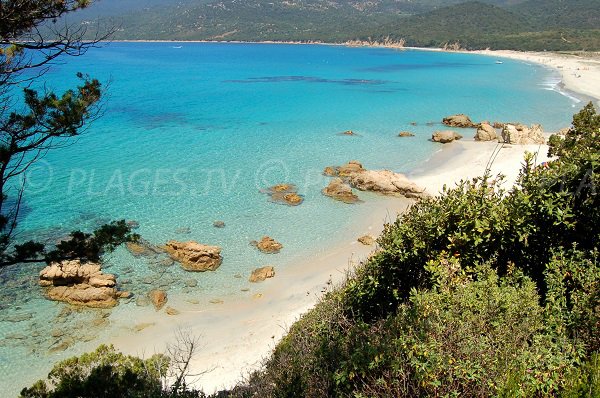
(580,72)
(236,336)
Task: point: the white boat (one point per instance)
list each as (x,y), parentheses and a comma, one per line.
(177,46)
(499,62)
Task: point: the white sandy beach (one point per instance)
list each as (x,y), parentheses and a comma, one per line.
(235,336)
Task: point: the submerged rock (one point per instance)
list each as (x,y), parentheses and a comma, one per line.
(183,231)
(158,298)
(519,134)
(260,274)
(219,224)
(485,132)
(339,190)
(193,256)
(445,136)
(285,194)
(171,311)
(347,132)
(267,245)
(460,120)
(79,283)
(143,248)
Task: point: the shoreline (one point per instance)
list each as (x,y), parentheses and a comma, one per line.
(236,336)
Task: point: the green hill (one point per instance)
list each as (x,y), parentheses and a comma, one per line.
(476,25)
(575,14)
(497,24)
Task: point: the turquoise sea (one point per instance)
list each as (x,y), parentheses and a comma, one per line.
(190,134)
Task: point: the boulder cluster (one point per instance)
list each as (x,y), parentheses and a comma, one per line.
(80,283)
(381,181)
(510,133)
(286,194)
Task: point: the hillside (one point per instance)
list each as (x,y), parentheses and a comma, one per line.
(476,25)
(498,24)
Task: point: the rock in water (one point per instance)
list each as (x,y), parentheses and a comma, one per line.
(405,134)
(460,120)
(260,274)
(485,132)
(219,224)
(143,248)
(79,283)
(341,191)
(347,132)
(194,256)
(158,298)
(519,134)
(284,193)
(268,245)
(445,136)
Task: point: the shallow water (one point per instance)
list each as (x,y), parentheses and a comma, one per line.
(191,135)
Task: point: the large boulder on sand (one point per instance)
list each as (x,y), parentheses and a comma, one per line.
(445,136)
(194,256)
(260,274)
(79,283)
(485,132)
(460,120)
(519,134)
(339,190)
(267,245)
(382,181)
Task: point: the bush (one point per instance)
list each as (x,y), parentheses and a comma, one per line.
(102,373)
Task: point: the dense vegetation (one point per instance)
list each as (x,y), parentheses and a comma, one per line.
(498,24)
(478,292)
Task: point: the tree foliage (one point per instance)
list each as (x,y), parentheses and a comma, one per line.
(30,41)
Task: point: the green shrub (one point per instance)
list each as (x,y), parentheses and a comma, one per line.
(102,373)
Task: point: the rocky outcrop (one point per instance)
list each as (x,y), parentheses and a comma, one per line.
(405,134)
(267,245)
(445,136)
(285,194)
(459,120)
(194,256)
(158,298)
(339,190)
(260,274)
(519,134)
(485,132)
(79,283)
(382,181)
(367,240)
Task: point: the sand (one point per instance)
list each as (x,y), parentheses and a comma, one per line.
(580,72)
(236,336)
